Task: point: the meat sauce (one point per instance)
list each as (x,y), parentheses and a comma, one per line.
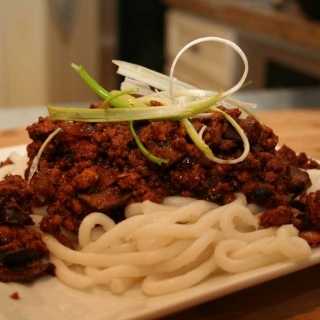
(97,167)
(22,251)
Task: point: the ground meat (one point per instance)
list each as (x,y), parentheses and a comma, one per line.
(300,160)
(276,217)
(97,166)
(27,274)
(15,201)
(312,237)
(313,208)
(23,255)
(19,238)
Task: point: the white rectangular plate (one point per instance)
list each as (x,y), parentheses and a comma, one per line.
(48,299)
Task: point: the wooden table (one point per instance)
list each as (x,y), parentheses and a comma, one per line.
(296,296)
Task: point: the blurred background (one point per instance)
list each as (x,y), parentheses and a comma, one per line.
(40,38)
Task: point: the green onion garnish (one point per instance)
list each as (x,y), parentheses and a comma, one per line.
(144,151)
(180,101)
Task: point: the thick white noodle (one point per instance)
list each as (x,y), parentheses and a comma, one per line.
(120,285)
(133,209)
(177,201)
(291,245)
(153,243)
(229,264)
(229,229)
(66,275)
(103,260)
(96,218)
(123,228)
(209,238)
(157,285)
(173,248)
(314,175)
(266,245)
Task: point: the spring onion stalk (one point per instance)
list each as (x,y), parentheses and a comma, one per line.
(148,76)
(163,82)
(215,39)
(179,100)
(187,124)
(124,103)
(246,144)
(100,91)
(162,101)
(197,138)
(246,84)
(242,108)
(142,148)
(196,95)
(125,96)
(34,165)
(118,103)
(140,145)
(116,93)
(172,112)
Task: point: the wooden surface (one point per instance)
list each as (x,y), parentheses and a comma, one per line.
(296,296)
(12,137)
(288,25)
(299,129)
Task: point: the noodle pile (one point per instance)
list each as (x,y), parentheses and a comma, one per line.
(172,246)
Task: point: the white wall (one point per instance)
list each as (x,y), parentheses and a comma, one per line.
(35,53)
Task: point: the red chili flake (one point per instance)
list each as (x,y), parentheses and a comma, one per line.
(15,296)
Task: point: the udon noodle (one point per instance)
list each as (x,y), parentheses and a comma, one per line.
(171,246)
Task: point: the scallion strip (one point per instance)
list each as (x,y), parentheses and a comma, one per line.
(194,136)
(148,76)
(100,91)
(173,112)
(116,94)
(198,95)
(246,144)
(117,103)
(36,159)
(142,148)
(129,99)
